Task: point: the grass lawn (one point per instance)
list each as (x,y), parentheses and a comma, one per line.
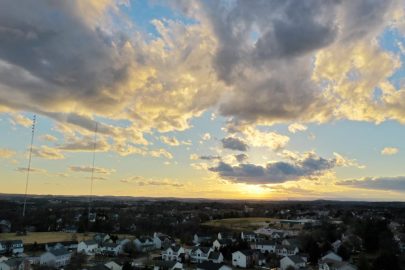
(240,224)
(46,237)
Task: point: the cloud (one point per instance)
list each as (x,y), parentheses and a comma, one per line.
(48,138)
(141,181)
(89,169)
(377,183)
(46,152)
(32,170)
(210,157)
(389,151)
(6,153)
(311,166)
(234,144)
(170,140)
(258,138)
(256,56)
(206,136)
(295,127)
(21,120)
(161,153)
(241,157)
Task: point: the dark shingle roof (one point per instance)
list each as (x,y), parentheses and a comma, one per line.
(207,265)
(214,255)
(59,252)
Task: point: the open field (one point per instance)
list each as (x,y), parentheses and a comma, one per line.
(241,224)
(46,237)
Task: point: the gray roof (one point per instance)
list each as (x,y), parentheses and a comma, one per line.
(90,242)
(59,252)
(214,255)
(296,259)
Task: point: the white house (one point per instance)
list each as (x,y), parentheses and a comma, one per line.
(173,253)
(89,247)
(144,244)
(113,265)
(55,258)
(265,246)
(3,247)
(101,238)
(221,243)
(15,246)
(162,240)
(248,236)
(244,258)
(212,266)
(200,238)
(200,254)
(286,250)
(294,261)
(15,264)
(222,236)
(167,265)
(216,257)
(111,249)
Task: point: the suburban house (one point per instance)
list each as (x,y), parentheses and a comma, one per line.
(216,257)
(12,246)
(223,236)
(244,258)
(212,266)
(15,264)
(332,256)
(69,245)
(248,236)
(167,265)
(292,261)
(221,243)
(265,246)
(144,244)
(113,265)
(173,253)
(111,249)
(286,250)
(55,258)
(201,238)
(334,265)
(200,254)
(89,247)
(161,240)
(101,238)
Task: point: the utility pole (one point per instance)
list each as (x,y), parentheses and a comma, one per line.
(29,164)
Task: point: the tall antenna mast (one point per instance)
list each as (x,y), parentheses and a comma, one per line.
(29,163)
(92,168)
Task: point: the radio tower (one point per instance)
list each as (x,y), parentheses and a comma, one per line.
(92,169)
(29,164)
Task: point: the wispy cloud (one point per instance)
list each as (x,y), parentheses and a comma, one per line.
(389,151)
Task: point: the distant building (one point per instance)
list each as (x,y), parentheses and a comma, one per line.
(245,258)
(144,244)
(212,266)
(88,247)
(167,265)
(55,258)
(292,261)
(12,246)
(173,253)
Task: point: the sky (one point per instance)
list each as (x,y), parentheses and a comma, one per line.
(220,99)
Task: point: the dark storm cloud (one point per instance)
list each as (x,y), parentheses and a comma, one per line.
(241,157)
(377,183)
(234,144)
(276,172)
(266,50)
(54,55)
